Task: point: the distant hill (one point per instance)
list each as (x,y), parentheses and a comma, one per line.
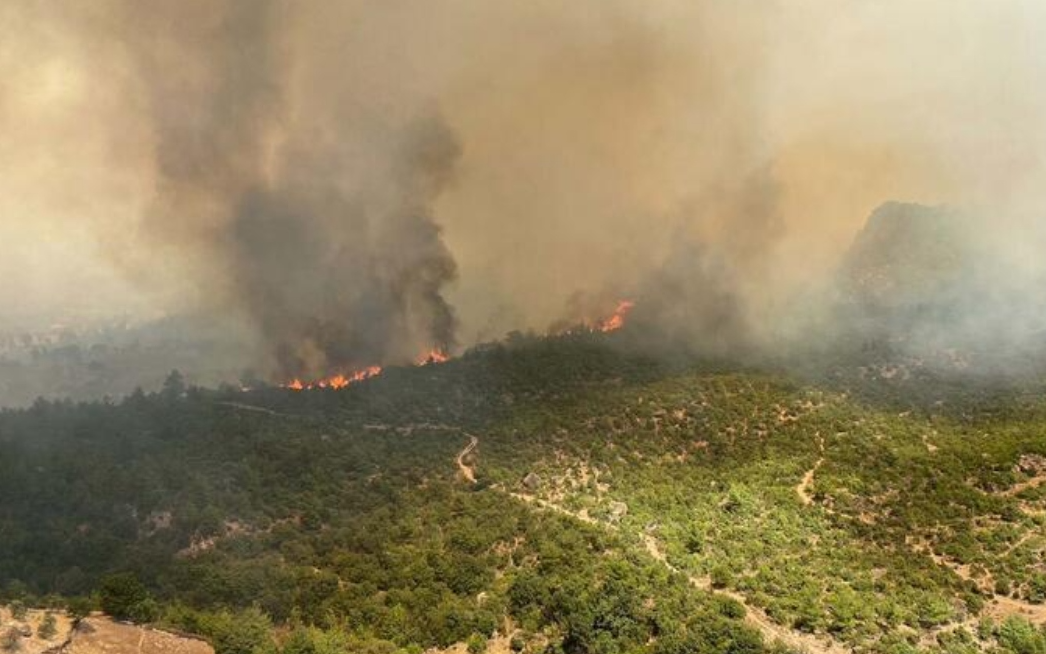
(924,288)
(111,360)
(910,255)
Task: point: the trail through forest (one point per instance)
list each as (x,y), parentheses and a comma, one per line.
(467,471)
(803,488)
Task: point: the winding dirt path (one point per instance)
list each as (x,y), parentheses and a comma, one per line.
(257,409)
(1034,482)
(756,617)
(999,607)
(550,506)
(467,471)
(802,489)
(1028,535)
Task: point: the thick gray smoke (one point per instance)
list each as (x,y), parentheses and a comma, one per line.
(319,226)
(291,164)
(925,280)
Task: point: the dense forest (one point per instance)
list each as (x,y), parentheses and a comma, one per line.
(561,493)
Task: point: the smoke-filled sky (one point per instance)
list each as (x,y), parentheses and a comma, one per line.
(361,181)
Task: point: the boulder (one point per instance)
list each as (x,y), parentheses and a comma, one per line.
(532,481)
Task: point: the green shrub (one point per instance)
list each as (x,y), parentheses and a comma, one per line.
(245,632)
(18,610)
(48,627)
(123,597)
(721,576)
(10,639)
(1021,637)
(477,644)
(518,643)
(79,607)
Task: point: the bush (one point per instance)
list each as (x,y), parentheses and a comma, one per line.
(721,576)
(144,611)
(477,644)
(79,607)
(18,610)
(729,607)
(123,597)
(1021,637)
(1037,589)
(518,643)
(10,639)
(246,632)
(48,627)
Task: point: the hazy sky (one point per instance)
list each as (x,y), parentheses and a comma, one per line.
(593,136)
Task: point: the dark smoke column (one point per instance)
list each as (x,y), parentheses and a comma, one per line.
(308,214)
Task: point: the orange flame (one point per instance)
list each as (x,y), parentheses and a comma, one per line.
(436,355)
(617,320)
(336,382)
(341,380)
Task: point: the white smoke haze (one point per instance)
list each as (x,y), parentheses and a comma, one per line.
(356,182)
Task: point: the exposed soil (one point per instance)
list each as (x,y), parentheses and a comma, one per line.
(467,470)
(1034,482)
(999,607)
(803,488)
(496,645)
(34,643)
(257,409)
(101,635)
(97,634)
(755,617)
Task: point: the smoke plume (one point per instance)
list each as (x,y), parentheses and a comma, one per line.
(359,182)
(316,225)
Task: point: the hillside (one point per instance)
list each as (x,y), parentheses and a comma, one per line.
(564,493)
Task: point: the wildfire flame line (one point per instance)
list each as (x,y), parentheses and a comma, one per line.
(341,380)
(613,322)
(434,356)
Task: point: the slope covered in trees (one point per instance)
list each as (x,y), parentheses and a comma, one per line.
(559,492)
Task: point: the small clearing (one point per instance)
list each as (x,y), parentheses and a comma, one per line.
(498,644)
(101,635)
(30,623)
(551,506)
(96,634)
(1001,607)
